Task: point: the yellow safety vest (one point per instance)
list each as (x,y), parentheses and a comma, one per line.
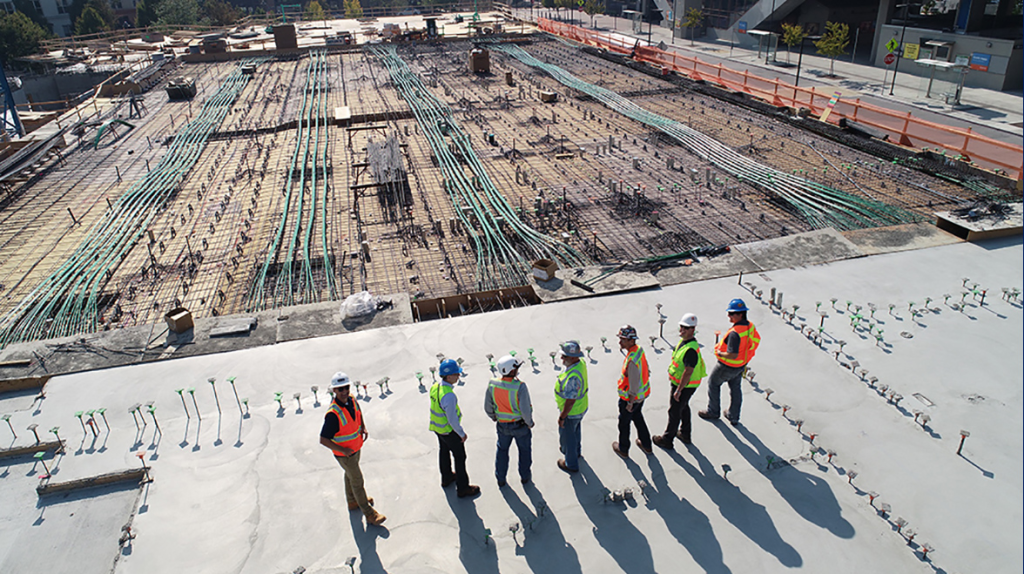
(438,418)
(676,370)
(580,406)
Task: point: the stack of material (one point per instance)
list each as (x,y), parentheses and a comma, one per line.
(479,61)
(284,37)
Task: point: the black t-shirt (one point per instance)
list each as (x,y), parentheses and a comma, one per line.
(331,423)
(732,340)
(690,358)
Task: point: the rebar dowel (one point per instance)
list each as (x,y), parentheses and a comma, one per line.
(213,385)
(181,395)
(235,391)
(192,393)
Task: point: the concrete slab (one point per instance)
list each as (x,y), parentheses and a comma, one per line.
(984,223)
(899,238)
(621,280)
(234,489)
(802,249)
(732,263)
(317,320)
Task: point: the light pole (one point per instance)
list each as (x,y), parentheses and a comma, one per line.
(899,52)
(800,59)
(768,52)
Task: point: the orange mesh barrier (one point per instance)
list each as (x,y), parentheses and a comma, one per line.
(902,127)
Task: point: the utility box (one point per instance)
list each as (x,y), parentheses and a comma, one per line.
(544,269)
(182,88)
(548,97)
(508,79)
(179,320)
(284,37)
(479,61)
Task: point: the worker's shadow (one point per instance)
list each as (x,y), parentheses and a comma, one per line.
(366,540)
(612,529)
(810,496)
(476,552)
(750,518)
(543,543)
(690,527)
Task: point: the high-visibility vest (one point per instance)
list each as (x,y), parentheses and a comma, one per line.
(749,340)
(637,357)
(438,418)
(580,406)
(349,435)
(676,370)
(506,400)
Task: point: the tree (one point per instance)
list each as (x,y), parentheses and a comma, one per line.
(178,12)
(593,8)
(90,22)
(145,13)
(693,19)
(792,35)
(218,12)
(567,4)
(19,36)
(833,43)
(353,9)
(28,8)
(314,11)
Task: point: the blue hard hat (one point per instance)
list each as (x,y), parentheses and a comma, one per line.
(737,306)
(449,367)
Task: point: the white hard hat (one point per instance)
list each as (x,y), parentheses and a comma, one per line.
(339,380)
(688,320)
(507,364)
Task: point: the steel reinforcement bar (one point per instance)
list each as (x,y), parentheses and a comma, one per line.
(821,205)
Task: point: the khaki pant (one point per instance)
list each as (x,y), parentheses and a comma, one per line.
(354,491)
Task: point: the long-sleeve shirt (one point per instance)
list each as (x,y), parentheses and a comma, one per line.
(450,406)
(522,397)
(635,380)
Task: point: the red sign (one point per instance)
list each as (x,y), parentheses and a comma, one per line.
(889,59)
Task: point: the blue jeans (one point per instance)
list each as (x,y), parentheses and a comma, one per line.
(733,376)
(507,432)
(570,442)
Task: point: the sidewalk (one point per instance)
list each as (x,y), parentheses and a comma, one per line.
(998,115)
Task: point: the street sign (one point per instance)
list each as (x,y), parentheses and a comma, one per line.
(579,3)
(891,45)
(741,27)
(889,59)
(980,62)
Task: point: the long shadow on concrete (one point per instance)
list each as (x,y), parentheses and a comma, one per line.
(475,552)
(750,518)
(543,544)
(613,531)
(810,496)
(366,540)
(690,527)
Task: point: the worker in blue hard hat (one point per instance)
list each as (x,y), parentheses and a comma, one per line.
(446,423)
(733,352)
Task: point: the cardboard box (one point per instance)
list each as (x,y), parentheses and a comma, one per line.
(179,320)
(548,97)
(544,269)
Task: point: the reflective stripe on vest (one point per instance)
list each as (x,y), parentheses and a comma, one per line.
(506,400)
(438,418)
(580,406)
(675,372)
(349,433)
(638,358)
(749,340)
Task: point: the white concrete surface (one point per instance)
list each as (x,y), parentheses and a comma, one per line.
(259,494)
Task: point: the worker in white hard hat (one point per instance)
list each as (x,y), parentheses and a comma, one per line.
(446,423)
(344,432)
(685,373)
(508,404)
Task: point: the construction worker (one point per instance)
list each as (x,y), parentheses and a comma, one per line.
(344,432)
(634,387)
(446,423)
(685,373)
(571,397)
(733,352)
(508,404)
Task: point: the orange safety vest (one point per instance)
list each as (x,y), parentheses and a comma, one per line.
(637,357)
(749,340)
(506,400)
(350,430)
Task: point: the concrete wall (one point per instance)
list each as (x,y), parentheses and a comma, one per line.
(55,87)
(1004,70)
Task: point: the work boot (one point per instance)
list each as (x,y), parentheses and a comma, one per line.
(446,482)
(685,439)
(661,441)
(353,505)
(375,518)
(647,450)
(618,451)
(563,466)
(471,490)
(707,416)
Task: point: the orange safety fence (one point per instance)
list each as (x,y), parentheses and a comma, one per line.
(901,127)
